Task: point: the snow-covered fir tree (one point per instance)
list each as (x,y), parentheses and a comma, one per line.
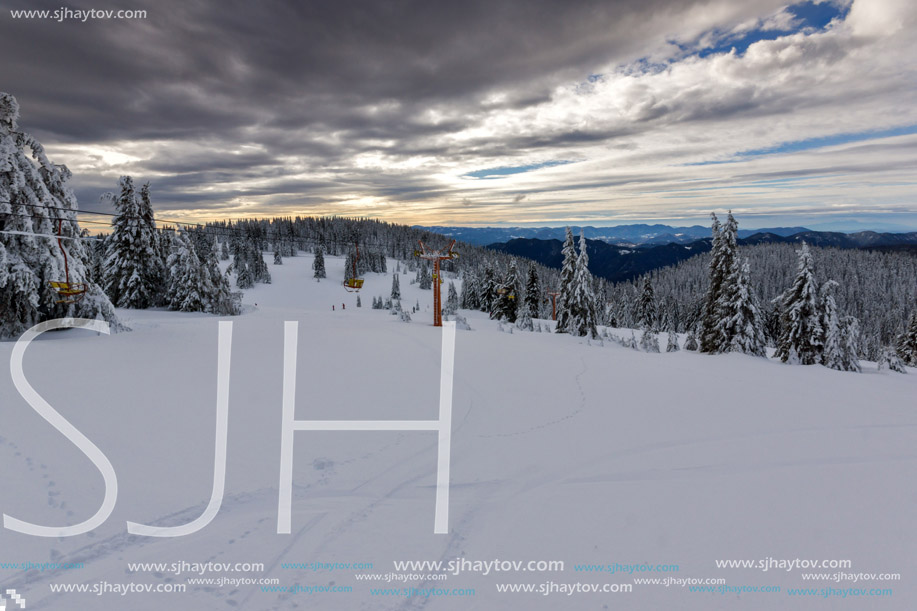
(216,290)
(396,287)
(425,277)
(533,293)
(581,304)
(36,201)
(647,313)
(133,267)
(488,290)
(708,334)
(452,301)
(469,299)
(95,249)
(248,263)
(649,341)
(567,273)
(672,342)
(890,360)
(722,264)
(188,283)
(907,342)
(741,323)
(524,317)
(832,355)
(850,334)
(801,332)
(691,342)
(318,264)
(278,259)
(504,306)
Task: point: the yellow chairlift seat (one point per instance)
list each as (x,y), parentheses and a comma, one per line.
(69,292)
(353,284)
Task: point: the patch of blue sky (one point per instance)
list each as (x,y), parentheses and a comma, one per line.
(807,16)
(503,171)
(796,146)
(793,182)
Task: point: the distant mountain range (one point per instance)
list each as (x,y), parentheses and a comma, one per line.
(616,263)
(622,235)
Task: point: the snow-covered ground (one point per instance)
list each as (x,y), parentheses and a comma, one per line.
(562,450)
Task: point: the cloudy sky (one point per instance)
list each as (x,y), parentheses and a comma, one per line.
(482,112)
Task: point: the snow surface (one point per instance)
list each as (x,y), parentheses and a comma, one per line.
(563,449)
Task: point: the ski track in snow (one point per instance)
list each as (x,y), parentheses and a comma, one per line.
(568,416)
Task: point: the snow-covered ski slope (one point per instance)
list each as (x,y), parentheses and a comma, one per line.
(562,450)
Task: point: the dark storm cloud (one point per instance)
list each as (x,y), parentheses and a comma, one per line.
(210,69)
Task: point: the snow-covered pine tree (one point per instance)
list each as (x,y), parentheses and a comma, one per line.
(133,268)
(218,296)
(708,334)
(800,330)
(649,341)
(741,323)
(216,249)
(567,272)
(524,317)
(95,249)
(188,282)
(691,342)
(672,343)
(156,263)
(245,278)
(533,292)
(33,197)
(396,287)
(832,355)
(889,359)
(850,334)
(278,259)
(318,265)
(469,299)
(425,278)
(907,343)
(451,300)
(582,318)
(722,263)
(260,270)
(488,290)
(647,314)
(504,307)
(165,241)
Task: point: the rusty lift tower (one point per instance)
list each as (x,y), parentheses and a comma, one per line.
(553,295)
(444,254)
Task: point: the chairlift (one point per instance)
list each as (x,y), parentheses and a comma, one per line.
(68,292)
(354,284)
